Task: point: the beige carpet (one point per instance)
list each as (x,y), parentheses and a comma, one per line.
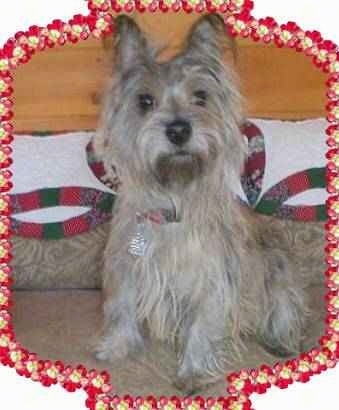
(62,325)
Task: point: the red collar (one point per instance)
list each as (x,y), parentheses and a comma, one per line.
(159,216)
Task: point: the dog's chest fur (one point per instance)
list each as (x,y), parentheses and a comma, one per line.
(179,269)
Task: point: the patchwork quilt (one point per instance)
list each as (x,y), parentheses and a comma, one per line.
(58,191)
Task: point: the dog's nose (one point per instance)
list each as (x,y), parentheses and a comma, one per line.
(179,132)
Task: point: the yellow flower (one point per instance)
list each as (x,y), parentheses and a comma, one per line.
(335,325)
(54,34)
(122,406)
(3,323)
(216,406)
(335,207)
(262,377)
(33,41)
(239,26)
(3,204)
(18,52)
(193,406)
(334,67)
(285,373)
(307,42)
(335,112)
(101,24)
(321,358)
(335,183)
(3,85)
(335,254)
(100,405)
(238,384)
(335,301)
(98,381)
(3,275)
(15,356)
(4,64)
(3,227)
(263,30)
(2,180)
(4,341)
(335,278)
(145,406)
(32,366)
(303,366)
(52,372)
(236,406)
(3,251)
(77,29)
(193,2)
(331,345)
(322,55)
(285,35)
(3,298)
(75,377)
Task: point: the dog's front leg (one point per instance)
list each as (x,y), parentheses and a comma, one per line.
(121,335)
(203,348)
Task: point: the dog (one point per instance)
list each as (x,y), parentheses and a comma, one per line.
(186,262)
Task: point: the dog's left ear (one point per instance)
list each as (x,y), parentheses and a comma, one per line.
(131,46)
(208,38)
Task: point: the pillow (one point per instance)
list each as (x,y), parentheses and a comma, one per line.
(285,171)
(61,209)
(59,229)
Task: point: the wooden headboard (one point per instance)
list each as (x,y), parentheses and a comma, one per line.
(60,89)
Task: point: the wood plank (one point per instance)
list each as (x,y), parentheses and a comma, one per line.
(60,88)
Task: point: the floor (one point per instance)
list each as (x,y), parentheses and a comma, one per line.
(63,325)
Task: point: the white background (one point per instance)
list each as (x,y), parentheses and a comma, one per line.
(322,391)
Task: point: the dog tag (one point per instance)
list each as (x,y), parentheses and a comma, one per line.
(140,241)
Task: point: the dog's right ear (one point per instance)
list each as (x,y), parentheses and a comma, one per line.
(208,39)
(130,44)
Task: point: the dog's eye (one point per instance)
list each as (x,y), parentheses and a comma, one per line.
(200,97)
(146,102)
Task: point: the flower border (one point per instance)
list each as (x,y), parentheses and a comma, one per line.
(99,22)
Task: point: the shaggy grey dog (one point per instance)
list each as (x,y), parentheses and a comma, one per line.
(186,263)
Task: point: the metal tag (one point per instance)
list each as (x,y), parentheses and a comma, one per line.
(139,243)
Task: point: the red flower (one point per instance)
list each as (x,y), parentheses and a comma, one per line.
(72,377)
(269,22)
(315,36)
(327,45)
(104,6)
(290,26)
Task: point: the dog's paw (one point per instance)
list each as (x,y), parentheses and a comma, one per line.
(115,347)
(275,348)
(103,352)
(192,385)
(192,382)
(278,351)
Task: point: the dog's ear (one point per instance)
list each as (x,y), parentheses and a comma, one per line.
(131,46)
(208,38)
